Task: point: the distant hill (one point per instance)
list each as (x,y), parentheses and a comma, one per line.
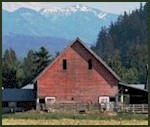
(23,43)
(70,22)
(27,27)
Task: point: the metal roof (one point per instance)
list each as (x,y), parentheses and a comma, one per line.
(140,86)
(28,86)
(18,94)
(131,86)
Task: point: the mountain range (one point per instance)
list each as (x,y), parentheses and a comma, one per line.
(50,27)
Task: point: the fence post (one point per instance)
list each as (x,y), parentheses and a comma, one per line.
(88,106)
(142,108)
(133,108)
(76,107)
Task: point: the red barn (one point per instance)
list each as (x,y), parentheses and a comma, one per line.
(77,75)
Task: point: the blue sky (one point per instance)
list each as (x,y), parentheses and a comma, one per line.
(114,7)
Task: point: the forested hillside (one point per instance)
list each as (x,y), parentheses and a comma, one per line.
(124,45)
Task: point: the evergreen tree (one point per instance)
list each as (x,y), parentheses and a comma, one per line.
(124,45)
(42,59)
(9,69)
(29,67)
(100,45)
(35,62)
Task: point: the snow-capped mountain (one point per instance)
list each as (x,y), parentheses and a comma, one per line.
(73,9)
(47,11)
(67,23)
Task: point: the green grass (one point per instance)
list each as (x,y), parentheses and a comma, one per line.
(88,116)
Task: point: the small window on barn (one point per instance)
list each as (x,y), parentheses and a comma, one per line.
(89,64)
(64,64)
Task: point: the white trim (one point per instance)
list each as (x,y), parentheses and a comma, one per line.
(37,101)
(51,98)
(104,99)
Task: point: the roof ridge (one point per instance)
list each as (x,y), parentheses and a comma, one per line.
(94,54)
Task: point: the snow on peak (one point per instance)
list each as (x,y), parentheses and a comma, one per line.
(9,6)
(79,7)
(66,11)
(46,11)
(101,15)
(72,9)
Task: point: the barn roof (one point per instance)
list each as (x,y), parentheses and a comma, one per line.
(87,48)
(140,86)
(135,86)
(13,94)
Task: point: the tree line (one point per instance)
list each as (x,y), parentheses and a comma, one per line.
(16,73)
(124,45)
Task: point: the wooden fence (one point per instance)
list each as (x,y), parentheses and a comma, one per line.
(135,108)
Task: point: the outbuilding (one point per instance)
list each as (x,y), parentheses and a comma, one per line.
(14,100)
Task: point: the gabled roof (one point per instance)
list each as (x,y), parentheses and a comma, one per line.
(87,48)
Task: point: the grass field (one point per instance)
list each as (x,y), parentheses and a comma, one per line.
(72,122)
(42,118)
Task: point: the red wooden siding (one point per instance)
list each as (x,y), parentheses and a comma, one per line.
(77,82)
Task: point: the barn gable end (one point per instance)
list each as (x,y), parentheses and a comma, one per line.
(84,79)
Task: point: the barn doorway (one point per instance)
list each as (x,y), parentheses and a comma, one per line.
(49,103)
(46,103)
(42,103)
(104,103)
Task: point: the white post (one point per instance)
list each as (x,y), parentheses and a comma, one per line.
(37,104)
(37,100)
(122,95)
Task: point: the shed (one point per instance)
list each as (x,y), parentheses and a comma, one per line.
(18,95)
(133,94)
(18,99)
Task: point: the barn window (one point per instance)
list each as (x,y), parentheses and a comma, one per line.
(64,64)
(90,64)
